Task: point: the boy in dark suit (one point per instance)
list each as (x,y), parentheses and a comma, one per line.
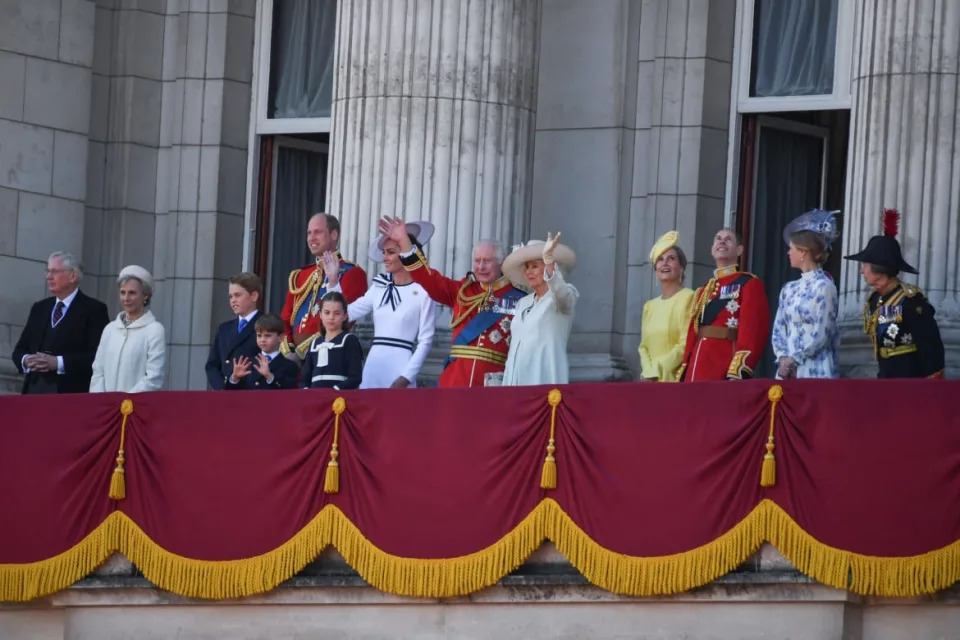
(270,370)
(56,349)
(235,338)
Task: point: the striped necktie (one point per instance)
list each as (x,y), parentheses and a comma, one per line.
(58,312)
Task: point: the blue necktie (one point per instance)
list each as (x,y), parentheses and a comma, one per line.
(243,323)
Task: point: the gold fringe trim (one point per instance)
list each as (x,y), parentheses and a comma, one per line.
(445,577)
(22,582)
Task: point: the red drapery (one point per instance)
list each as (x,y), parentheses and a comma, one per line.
(658,486)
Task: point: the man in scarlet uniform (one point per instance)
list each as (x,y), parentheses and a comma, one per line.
(731,319)
(301,309)
(483,303)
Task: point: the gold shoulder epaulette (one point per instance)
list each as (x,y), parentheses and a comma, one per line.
(292,279)
(910,290)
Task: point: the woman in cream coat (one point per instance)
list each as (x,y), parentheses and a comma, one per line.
(542,320)
(131,354)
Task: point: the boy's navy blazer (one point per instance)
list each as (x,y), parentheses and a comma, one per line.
(227,345)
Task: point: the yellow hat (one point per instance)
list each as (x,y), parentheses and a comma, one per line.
(666,241)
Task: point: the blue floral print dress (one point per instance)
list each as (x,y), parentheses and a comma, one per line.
(806,325)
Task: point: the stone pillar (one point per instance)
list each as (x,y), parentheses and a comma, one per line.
(905,153)
(433,118)
(167,161)
(631,141)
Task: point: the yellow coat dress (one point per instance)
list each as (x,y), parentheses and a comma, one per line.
(663,335)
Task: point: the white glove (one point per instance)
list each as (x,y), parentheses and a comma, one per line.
(549,246)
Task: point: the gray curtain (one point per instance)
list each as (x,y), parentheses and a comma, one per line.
(788,184)
(301,75)
(299,192)
(794,47)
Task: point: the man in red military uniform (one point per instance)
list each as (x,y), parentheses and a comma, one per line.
(483,303)
(301,309)
(731,320)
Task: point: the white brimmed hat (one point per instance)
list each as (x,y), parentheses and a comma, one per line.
(513,265)
(421,230)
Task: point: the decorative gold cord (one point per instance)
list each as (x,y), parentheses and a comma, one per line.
(548,477)
(331,482)
(118,485)
(768,473)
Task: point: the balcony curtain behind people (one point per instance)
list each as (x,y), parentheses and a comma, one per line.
(301,77)
(299,192)
(794,47)
(789,174)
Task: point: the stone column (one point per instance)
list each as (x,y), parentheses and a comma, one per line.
(905,153)
(433,118)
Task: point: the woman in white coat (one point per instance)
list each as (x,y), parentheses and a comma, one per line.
(404,316)
(132,348)
(543,319)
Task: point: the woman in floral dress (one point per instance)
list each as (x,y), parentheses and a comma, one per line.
(805,333)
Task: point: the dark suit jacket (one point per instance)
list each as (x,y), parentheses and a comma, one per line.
(227,345)
(77,338)
(284,376)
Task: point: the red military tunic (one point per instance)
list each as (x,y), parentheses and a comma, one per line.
(305,287)
(480,325)
(729,328)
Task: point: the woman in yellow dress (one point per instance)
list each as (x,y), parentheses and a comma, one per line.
(666,318)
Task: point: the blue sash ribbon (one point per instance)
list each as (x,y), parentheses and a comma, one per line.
(483,321)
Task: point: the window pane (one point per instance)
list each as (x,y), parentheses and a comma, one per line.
(301,58)
(794,47)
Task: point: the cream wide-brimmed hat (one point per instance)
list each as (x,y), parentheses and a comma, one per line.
(512,267)
(421,230)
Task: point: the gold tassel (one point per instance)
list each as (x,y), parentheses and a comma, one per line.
(331,482)
(118,484)
(548,478)
(768,473)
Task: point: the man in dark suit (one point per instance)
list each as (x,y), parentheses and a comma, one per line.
(235,338)
(270,370)
(57,346)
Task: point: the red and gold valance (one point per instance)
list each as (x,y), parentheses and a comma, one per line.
(650,489)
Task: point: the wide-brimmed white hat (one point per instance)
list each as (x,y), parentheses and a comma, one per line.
(512,266)
(421,230)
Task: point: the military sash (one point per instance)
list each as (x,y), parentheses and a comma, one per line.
(727,292)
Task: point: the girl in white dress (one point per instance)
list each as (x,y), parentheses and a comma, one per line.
(403,314)
(543,319)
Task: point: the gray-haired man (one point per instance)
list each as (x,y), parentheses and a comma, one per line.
(56,348)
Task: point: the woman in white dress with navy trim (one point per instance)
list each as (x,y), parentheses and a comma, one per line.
(404,316)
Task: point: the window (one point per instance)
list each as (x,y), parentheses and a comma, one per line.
(289,137)
(793,55)
(295,53)
(794,47)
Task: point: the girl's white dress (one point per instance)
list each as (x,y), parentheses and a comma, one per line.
(538,336)
(403,325)
(805,327)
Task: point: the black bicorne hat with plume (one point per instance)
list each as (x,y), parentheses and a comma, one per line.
(884,250)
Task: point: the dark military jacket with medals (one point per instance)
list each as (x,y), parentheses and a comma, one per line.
(905,335)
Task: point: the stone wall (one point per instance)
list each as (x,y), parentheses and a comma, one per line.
(631,142)
(123,137)
(46,56)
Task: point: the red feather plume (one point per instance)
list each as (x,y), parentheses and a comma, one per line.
(891,222)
